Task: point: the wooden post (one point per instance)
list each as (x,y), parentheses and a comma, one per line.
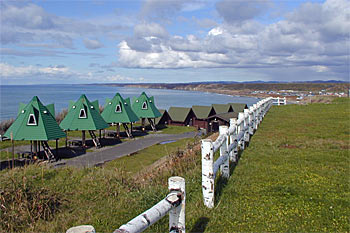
(233,137)
(38,147)
(31,146)
(143,124)
(177,214)
(13,151)
(241,128)
(99,134)
(208,172)
(225,167)
(83,138)
(118,130)
(66,142)
(56,148)
(246,125)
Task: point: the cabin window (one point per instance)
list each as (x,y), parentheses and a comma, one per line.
(118,108)
(31,119)
(82,113)
(144,105)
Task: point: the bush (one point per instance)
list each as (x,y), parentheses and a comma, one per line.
(4,125)
(60,116)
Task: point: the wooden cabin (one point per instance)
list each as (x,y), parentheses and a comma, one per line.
(201,116)
(164,118)
(238,107)
(84,115)
(181,116)
(36,123)
(220,119)
(117,111)
(222,108)
(145,108)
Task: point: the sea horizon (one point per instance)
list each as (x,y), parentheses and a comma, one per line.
(61,94)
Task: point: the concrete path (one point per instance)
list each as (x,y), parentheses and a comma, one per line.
(123,149)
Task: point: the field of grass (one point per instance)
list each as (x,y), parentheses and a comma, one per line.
(292,177)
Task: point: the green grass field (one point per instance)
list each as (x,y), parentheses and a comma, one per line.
(294,176)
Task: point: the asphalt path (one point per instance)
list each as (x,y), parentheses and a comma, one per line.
(96,158)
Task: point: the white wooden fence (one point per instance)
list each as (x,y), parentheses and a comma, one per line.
(230,140)
(173,203)
(279,101)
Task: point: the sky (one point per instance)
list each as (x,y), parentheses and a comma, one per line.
(171,41)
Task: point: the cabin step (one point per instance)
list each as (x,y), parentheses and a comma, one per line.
(127,130)
(47,150)
(95,139)
(152,124)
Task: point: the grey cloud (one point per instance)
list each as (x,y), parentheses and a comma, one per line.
(27,22)
(150,29)
(92,44)
(237,11)
(161,9)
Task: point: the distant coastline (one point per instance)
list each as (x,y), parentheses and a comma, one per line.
(256,89)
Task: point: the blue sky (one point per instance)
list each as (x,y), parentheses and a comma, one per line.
(173,41)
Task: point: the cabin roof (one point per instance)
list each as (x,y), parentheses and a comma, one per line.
(44,125)
(224,116)
(162,112)
(178,113)
(92,121)
(202,112)
(125,115)
(150,111)
(222,108)
(238,107)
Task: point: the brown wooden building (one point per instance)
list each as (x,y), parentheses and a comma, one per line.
(163,119)
(181,116)
(201,114)
(220,119)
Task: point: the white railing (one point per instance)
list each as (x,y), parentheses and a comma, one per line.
(279,101)
(230,140)
(173,203)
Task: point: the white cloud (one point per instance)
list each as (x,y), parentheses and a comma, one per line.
(313,37)
(35,74)
(8,71)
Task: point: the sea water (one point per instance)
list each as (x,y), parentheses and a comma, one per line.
(11,96)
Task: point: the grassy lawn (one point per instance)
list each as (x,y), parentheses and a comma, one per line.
(292,177)
(142,159)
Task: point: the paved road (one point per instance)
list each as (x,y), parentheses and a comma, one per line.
(123,149)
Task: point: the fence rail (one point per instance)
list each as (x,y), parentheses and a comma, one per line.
(230,140)
(173,203)
(279,101)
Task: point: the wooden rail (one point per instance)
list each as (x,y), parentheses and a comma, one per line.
(173,203)
(279,101)
(230,140)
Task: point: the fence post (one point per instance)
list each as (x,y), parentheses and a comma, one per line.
(177,214)
(233,137)
(251,120)
(225,167)
(240,128)
(208,172)
(255,116)
(246,125)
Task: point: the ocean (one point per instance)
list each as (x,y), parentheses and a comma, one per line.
(60,95)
